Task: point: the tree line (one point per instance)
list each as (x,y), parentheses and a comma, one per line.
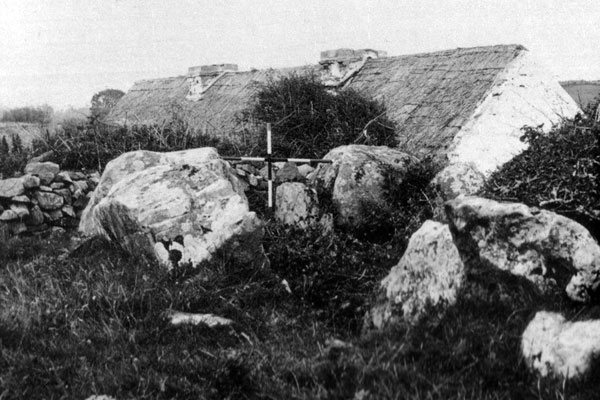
(36,115)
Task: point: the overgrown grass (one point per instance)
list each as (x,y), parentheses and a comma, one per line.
(92,146)
(94,322)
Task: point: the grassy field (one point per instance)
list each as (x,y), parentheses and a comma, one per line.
(583,92)
(28,132)
(92,321)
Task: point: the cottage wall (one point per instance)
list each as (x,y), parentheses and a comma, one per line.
(524,94)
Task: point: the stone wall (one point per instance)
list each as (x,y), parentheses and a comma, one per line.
(42,198)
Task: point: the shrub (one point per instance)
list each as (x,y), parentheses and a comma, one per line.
(92,146)
(12,160)
(309,119)
(559,171)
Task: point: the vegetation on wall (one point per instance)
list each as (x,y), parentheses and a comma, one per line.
(309,119)
(560,171)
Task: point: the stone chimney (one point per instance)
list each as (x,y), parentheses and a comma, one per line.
(203,77)
(339,65)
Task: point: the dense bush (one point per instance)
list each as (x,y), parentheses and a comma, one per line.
(12,158)
(309,119)
(560,171)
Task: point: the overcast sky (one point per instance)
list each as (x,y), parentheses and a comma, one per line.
(61,52)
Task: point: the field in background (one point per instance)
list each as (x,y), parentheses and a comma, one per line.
(583,92)
(27,131)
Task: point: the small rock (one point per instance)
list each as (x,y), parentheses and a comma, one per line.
(11,187)
(45,170)
(253,180)
(63,176)
(45,188)
(36,216)
(553,346)
(79,187)
(68,211)
(57,185)
(240,172)
(21,199)
(65,194)
(180,318)
(53,216)
(289,173)
(21,210)
(77,175)
(30,181)
(459,179)
(305,170)
(9,215)
(296,204)
(49,200)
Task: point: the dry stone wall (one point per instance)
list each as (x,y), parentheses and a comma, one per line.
(42,198)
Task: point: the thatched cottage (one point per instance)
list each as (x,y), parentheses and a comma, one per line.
(467,105)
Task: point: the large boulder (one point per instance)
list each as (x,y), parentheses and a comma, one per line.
(553,346)
(176,207)
(357,178)
(544,247)
(429,275)
(296,204)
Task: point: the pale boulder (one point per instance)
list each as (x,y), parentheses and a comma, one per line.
(553,346)
(46,171)
(11,187)
(182,211)
(130,163)
(357,178)
(296,204)
(458,179)
(429,275)
(542,246)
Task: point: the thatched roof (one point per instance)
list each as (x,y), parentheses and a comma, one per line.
(157,101)
(429,96)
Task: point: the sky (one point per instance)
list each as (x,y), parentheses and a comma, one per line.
(61,52)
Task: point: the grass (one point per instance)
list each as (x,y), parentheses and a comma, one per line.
(93,321)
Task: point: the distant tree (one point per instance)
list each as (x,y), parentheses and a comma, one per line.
(103,102)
